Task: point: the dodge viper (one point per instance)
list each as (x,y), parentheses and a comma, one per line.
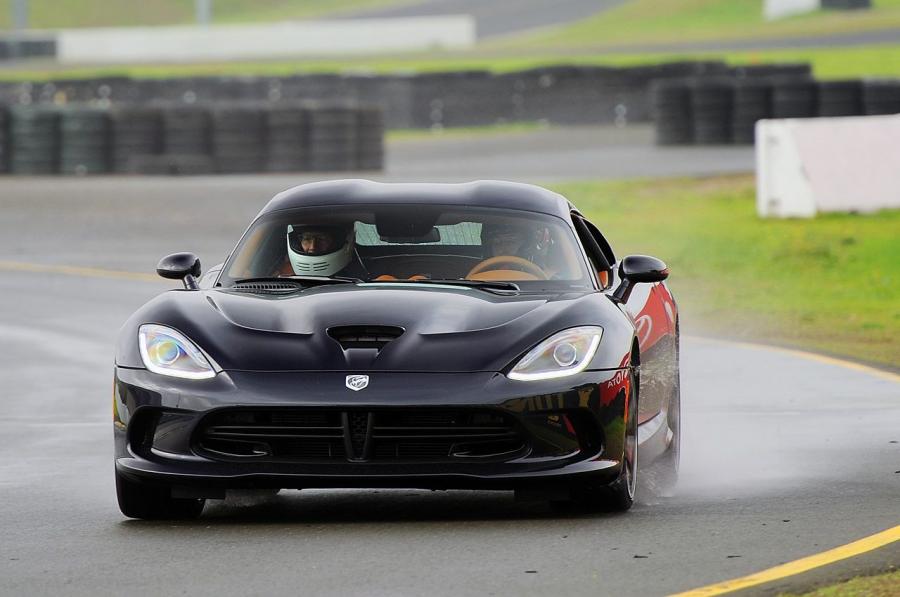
(441,336)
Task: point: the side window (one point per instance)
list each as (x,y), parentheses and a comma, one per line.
(597,248)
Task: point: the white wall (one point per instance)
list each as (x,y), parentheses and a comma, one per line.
(249,42)
(778,9)
(806,166)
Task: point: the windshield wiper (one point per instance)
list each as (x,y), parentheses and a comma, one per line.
(300,279)
(490,286)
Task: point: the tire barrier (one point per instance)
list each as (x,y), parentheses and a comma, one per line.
(287,139)
(881,97)
(370,139)
(4,139)
(84,141)
(238,141)
(135,132)
(673,113)
(725,110)
(752,102)
(190,140)
(332,139)
(711,108)
(794,99)
(582,94)
(840,98)
(34,140)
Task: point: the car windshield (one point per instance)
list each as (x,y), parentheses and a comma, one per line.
(408,243)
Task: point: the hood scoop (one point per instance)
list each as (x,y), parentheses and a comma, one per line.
(274,287)
(368,337)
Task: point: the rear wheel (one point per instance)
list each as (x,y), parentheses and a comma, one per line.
(153,503)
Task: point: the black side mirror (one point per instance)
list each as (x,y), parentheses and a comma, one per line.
(180,266)
(637,269)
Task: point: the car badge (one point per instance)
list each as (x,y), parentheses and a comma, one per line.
(357,382)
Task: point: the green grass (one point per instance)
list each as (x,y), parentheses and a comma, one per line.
(50,14)
(675,21)
(830,284)
(464,131)
(882,585)
(828,63)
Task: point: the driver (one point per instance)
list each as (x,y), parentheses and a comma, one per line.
(318,250)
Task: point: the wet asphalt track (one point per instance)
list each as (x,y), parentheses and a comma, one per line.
(783,456)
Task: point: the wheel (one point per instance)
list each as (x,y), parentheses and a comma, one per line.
(662,475)
(617,496)
(153,503)
(503,262)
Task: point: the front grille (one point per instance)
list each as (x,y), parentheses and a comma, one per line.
(272,435)
(383,435)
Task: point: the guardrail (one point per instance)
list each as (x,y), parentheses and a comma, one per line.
(711,111)
(46,139)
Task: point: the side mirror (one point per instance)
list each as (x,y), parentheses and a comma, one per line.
(637,269)
(180,266)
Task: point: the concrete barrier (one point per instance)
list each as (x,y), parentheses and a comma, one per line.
(135,45)
(807,166)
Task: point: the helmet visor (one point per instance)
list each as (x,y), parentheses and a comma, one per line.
(316,240)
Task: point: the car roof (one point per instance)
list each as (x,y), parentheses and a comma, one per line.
(482,193)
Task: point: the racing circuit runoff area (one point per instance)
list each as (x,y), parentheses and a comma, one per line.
(785,455)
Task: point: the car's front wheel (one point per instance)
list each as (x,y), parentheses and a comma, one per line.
(617,496)
(153,503)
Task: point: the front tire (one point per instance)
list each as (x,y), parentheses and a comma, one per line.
(149,502)
(617,496)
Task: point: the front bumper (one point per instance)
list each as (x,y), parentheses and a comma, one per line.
(568,428)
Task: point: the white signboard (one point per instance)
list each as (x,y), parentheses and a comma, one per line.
(247,42)
(810,165)
(779,9)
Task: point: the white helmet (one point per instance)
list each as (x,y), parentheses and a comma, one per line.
(327,262)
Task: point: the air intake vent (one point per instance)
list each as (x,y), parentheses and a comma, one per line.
(268,287)
(364,336)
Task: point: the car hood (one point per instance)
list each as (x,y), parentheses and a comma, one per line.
(445,329)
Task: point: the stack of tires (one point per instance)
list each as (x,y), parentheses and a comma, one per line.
(135,132)
(84,141)
(752,102)
(711,108)
(840,98)
(287,138)
(369,139)
(186,143)
(238,139)
(881,97)
(794,99)
(332,138)
(671,100)
(4,140)
(34,146)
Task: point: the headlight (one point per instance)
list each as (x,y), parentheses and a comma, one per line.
(563,354)
(168,352)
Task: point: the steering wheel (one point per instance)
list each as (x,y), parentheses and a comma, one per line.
(508,262)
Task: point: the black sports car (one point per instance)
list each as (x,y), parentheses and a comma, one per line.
(479,335)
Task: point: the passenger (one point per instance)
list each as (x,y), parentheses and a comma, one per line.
(323,251)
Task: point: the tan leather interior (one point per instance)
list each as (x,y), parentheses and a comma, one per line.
(502,275)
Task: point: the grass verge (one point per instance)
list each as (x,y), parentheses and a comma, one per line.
(683,21)
(53,14)
(882,585)
(830,284)
(881,60)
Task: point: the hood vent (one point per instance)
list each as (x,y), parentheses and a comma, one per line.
(279,287)
(367,336)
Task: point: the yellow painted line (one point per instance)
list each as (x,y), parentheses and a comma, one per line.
(889,376)
(843,552)
(70,270)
